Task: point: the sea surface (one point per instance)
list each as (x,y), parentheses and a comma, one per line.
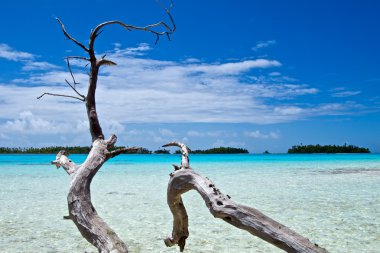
(334,200)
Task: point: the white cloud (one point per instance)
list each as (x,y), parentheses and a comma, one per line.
(166,132)
(31,65)
(223,143)
(11,54)
(275,73)
(192,60)
(288,110)
(130,51)
(234,67)
(117,45)
(143,90)
(113,126)
(259,135)
(216,133)
(342,92)
(29,124)
(263,44)
(160,136)
(28,59)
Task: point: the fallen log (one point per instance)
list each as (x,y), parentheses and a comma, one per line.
(184,179)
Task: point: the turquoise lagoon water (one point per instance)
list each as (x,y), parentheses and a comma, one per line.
(332,199)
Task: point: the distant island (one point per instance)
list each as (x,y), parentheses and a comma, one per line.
(86,150)
(330,149)
(56,149)
(220,150)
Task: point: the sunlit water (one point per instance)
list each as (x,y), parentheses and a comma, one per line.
(332,199)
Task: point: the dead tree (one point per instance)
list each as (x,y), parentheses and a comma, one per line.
(184,179)
(81,210)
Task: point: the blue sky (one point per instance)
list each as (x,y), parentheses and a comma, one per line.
(262,75)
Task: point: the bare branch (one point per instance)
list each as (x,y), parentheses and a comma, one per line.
(84,98)
(185,162)
(122,151)
(60,95)
(70,37)
(62,160)
(106,62)
(72,76)
(78,58)
(71,72)
(149,28)
(110,142)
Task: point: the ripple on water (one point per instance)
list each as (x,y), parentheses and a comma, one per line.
(334,203)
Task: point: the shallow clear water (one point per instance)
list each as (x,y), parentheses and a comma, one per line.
(332,199)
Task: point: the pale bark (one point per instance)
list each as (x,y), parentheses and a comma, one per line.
(221,206)
(81,210)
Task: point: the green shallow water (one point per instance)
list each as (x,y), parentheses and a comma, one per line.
(332,199)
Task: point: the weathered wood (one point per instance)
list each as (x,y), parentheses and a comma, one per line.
(221,206)
(81,210)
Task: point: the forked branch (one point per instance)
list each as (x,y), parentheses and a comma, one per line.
(81,97)
(60,95)
(221,206)
(149,28)
(70,37)
(72,76)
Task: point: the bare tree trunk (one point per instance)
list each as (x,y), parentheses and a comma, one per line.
(81,210)
(221,206)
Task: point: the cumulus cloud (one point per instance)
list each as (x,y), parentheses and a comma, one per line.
(259,135)
(29,124)
(144,90)
(263,44)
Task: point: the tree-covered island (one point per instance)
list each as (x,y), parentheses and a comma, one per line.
(56,149)
(86,150)
(329,149)
(220,150)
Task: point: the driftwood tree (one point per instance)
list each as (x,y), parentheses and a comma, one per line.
(184,179)
(81,210)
